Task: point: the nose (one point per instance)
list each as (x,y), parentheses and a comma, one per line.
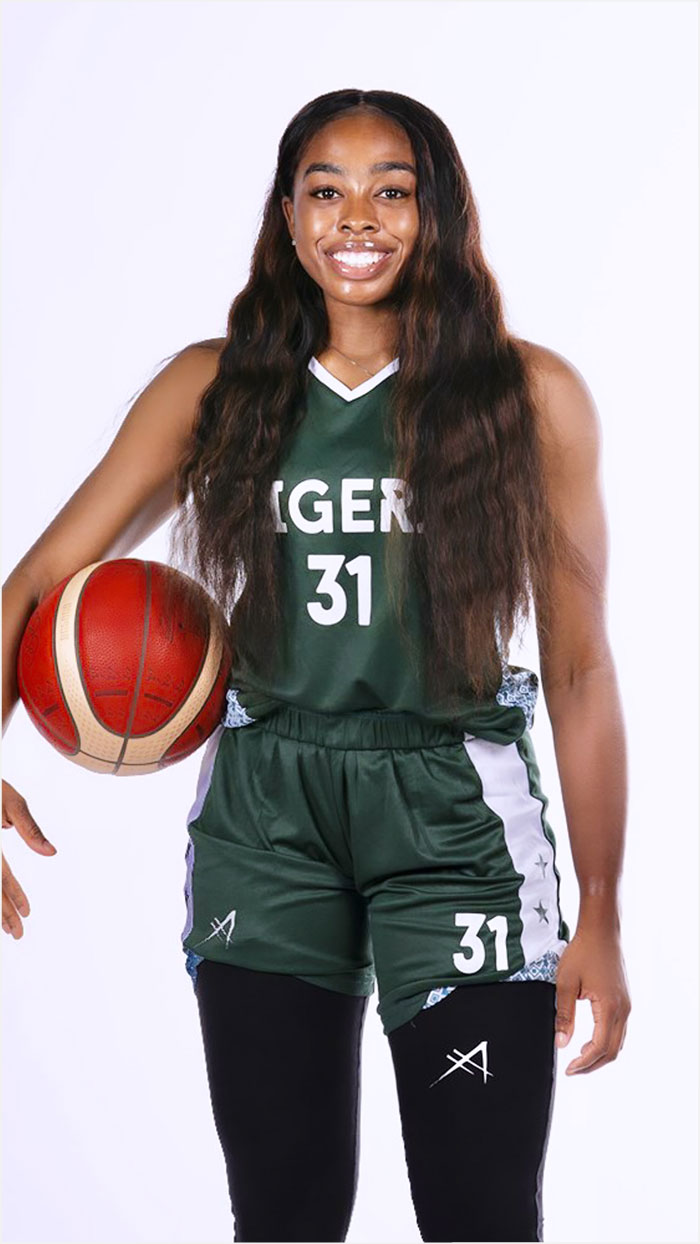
(358,217)
(357,229)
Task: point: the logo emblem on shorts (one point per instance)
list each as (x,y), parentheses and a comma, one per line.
(463,1061)
(222,928)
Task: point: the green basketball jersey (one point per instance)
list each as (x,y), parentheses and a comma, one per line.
(335,499)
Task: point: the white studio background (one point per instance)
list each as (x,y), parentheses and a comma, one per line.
(139,140)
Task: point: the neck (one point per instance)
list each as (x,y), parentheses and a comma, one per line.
(365,334)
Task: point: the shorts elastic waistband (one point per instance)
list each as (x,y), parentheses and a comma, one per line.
(372,728)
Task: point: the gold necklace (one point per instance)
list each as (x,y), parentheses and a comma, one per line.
(354,363)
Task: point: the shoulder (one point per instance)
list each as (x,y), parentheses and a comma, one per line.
(568,418)
(204,355)
(174,392)
(185,376)
(211,345)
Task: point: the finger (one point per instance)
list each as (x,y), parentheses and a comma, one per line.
(17,809)
(13,890)
(11,922)
(591,1053)
(601,1049)
(617,1039)
(565,1011)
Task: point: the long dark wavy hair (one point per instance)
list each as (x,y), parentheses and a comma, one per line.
(465,434)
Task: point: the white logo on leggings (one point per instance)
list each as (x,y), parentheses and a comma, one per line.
(224,927)
(461,1063)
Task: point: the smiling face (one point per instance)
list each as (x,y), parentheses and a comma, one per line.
(354,213)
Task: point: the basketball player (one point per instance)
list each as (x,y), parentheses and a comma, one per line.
(380,473)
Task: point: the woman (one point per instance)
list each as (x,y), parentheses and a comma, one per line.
(373,477)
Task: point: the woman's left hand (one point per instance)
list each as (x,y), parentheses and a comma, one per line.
(592,967)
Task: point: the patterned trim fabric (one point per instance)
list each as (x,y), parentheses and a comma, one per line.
(519,688)
(235,714)
(542,969)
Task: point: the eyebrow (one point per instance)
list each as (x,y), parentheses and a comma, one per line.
(384,166)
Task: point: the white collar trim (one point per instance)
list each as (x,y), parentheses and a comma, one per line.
(321,373)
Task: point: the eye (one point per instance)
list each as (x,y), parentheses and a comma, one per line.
(388,189)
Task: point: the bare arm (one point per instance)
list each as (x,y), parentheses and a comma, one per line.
(122,501)
(579,684)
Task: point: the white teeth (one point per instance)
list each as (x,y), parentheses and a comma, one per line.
(358,259)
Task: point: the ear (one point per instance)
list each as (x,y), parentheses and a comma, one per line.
(288,209)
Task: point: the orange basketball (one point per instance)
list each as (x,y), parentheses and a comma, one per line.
(123,666)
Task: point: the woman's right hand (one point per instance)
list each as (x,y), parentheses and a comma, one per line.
(14,900)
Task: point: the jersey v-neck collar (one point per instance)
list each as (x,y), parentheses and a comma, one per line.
(322,373)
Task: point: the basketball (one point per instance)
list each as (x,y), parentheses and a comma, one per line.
(123,666)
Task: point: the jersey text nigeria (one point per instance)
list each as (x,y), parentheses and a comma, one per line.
(392,501)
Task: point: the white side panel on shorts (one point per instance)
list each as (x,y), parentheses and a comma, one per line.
(203,783)
(205,771)
(506,790)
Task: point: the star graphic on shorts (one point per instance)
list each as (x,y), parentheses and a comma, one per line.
(541,911)
(541,862)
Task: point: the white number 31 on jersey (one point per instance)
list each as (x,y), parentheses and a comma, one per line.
(472,922)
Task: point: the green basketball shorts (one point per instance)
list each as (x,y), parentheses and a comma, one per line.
(371,846)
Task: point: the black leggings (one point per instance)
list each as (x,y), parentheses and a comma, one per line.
(475,1081)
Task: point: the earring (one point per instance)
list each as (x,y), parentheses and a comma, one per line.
(294,241)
